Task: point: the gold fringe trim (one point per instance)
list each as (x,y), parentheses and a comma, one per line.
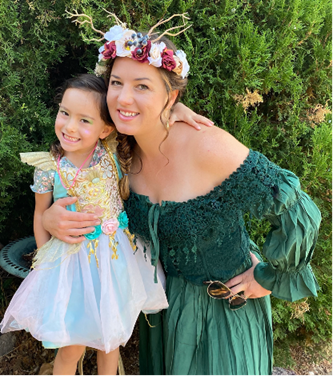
(80,364)
(113,245)
(121,369)
(92,245)
(130,238)
(149,324)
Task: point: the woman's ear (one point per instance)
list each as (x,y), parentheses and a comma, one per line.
(173,97)
(107,130)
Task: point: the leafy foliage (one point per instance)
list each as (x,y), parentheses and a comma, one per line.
(259,69)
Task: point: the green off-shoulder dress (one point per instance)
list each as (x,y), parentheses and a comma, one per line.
(205,239)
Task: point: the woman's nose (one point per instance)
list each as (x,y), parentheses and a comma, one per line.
(125,96)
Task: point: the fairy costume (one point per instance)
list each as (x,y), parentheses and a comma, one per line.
(89,293)
(205,239)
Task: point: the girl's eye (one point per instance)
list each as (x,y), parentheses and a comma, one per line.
(86,121)
(63,112)
(115,83)
(142,87)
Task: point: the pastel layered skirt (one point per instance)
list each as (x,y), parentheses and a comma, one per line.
(73,302)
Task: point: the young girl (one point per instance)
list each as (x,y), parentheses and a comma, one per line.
(91,293)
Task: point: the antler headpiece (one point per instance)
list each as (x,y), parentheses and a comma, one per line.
(128,43)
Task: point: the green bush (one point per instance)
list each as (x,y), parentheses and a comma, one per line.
(259,69)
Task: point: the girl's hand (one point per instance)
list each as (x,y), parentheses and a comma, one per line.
(245,282)
(186,115)
(66,225)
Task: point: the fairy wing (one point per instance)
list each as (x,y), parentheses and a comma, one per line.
(40,159)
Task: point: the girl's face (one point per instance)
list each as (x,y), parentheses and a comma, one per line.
(78,125)
(136,96)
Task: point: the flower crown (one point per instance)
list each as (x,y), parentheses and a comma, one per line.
(123,42)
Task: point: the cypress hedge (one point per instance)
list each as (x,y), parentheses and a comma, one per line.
(259,69)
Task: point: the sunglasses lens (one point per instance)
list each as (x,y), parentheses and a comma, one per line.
(237,302)
(218,290)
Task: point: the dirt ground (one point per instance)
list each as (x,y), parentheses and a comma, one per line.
(305,366)
(30,358)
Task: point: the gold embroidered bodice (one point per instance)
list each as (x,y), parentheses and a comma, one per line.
(96,188)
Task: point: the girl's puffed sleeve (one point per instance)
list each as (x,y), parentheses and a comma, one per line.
(44,170)
(291,241)
(43,181)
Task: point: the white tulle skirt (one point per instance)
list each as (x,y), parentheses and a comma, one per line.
(72,302)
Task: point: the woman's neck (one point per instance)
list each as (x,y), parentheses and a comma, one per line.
(149,146)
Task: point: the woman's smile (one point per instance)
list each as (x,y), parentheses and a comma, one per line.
(127,115)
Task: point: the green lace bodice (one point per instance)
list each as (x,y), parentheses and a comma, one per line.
(205,238)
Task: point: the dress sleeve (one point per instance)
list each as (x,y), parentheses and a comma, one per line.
(289,245)
(43,181)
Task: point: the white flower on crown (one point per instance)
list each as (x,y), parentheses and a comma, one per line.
(182,57)
(115,33)
(154,57)
(100,50)
(122,49)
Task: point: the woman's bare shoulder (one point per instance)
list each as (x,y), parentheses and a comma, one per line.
(218,152)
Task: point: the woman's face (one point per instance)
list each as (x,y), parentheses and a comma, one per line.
(136,97)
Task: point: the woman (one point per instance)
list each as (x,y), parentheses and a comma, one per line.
(188,193)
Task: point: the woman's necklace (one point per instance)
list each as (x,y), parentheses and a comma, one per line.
(58,168)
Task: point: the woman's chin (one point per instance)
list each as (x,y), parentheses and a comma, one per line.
(126,129)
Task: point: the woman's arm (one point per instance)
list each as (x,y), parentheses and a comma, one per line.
(182,113)
(275,194)
(42,202)
(66,225)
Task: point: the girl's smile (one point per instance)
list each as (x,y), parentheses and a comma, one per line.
(70,139)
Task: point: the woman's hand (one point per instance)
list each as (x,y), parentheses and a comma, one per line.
(66,225)
(245,282)
(186,115)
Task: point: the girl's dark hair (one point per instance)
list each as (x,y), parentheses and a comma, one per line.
(126,144)
(86,82)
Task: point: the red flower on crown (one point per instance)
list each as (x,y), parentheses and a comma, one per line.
(141,53)
(168,62)
(110,50)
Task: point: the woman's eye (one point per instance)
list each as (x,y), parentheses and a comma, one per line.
(143,87)
(62,112)
(115,83)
